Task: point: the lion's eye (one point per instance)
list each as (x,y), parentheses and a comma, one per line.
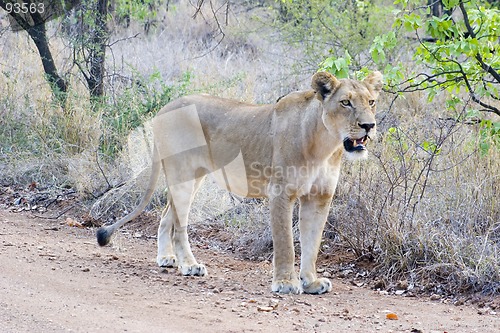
(345,102)
(371,102)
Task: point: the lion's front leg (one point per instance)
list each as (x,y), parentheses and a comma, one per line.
(285,280)
(313,215)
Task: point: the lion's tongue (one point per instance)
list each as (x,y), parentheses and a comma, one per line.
(360,142)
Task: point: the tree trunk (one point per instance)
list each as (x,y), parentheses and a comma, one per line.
(59,86)
(98,51)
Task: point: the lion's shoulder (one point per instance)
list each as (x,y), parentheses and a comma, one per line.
(294,100)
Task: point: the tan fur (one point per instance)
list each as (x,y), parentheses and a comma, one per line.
(291,150)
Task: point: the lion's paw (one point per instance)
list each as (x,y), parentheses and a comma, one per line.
(319,286)
(286,287)
(167,261)
(193,270)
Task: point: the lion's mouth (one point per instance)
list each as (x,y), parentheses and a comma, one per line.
(353,145)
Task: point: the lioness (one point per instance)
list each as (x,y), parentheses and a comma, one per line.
(285,151)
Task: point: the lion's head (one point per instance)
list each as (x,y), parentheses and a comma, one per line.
(349,109)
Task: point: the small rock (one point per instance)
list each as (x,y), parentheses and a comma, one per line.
(435,297)
(265,308)
(357,284)
(402,285)
(391,316)
(73,223)
(345,273)
(273,303)
(379,284)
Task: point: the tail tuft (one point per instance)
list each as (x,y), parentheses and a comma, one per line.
(104,236)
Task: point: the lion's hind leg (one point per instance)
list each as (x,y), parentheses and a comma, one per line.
(187,262)
(166,255)
(173,241)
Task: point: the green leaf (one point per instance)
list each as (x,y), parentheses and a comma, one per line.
(449,4)
(412,22)
(337,66)
(484,147)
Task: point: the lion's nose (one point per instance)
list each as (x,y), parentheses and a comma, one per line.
(367,126)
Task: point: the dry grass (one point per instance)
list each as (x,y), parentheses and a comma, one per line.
(435,224)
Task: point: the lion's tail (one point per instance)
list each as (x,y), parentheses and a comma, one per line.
(105,232)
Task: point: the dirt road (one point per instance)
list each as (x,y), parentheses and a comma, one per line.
(54,278)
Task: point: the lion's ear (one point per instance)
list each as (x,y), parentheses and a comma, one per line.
(324,84)
(374,81)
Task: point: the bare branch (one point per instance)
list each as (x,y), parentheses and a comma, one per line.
(123,39)
(473,95)
(198,8)
(218,30)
